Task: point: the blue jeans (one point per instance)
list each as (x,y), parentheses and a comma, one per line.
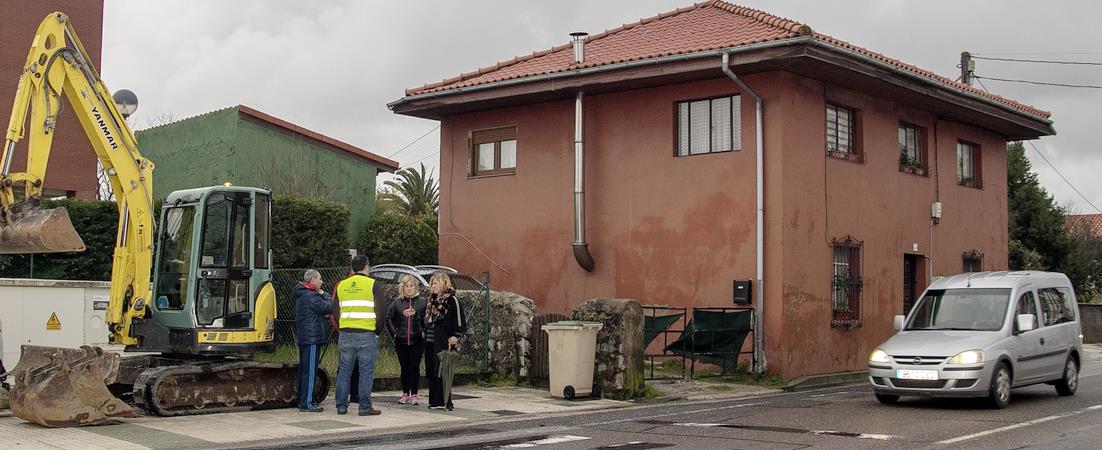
(356,349)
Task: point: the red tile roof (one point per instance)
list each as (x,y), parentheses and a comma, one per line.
(383,163)
(711,25)
(1092,222)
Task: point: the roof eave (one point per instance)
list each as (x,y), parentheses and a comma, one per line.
(381,163)
(1043,122)
(397,104)
(1040,125)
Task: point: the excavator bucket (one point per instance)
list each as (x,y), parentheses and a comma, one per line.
(40,231)
(66,387)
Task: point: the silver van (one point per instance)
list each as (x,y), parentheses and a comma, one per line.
(981,334)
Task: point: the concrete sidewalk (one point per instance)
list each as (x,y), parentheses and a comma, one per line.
(240,429)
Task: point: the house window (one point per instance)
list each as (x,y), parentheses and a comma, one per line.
(841,129)
(846,283)
(494,151)
(973,261)
(709,126)
(912,149)
(968,165)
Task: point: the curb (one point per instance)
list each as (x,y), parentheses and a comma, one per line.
(826,380)
(732,395)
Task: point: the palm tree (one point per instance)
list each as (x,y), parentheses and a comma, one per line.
(415,193)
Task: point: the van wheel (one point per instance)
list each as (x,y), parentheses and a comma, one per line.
(887,399)
(1070,383)
(999,393)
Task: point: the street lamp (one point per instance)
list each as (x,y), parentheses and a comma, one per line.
(126,101)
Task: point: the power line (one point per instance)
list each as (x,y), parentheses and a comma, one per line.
(981,83)
(1054,169)
(1087,86)
(414,142)
(1040,61)
(1037,53)
(422,159)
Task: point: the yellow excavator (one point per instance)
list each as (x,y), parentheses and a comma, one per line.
(209,306)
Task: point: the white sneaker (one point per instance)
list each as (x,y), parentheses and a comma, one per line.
(414,400)
(404,400)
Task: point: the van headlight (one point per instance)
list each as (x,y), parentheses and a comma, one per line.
(879,356)
(967,357)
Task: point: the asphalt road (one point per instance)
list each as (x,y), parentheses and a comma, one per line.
(837,418)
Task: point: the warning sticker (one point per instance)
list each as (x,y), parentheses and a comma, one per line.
(53,323)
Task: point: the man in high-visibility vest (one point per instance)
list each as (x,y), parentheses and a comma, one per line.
(354,309)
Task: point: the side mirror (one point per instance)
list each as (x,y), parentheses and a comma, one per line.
(1026,322)
(898,322)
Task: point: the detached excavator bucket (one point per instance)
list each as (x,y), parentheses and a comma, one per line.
(66,387)
(40,231)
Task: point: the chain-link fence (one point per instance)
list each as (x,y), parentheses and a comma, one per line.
(474,354)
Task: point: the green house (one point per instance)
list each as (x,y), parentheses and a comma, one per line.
(246,147)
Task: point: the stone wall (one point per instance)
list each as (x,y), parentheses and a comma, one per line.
(620,352)
(1090,318)
(510,325)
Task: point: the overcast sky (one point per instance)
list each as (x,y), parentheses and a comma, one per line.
(332,66)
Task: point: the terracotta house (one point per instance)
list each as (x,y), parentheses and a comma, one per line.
(665,159)
(1090,224)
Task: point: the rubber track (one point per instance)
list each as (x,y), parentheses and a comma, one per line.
(154,382)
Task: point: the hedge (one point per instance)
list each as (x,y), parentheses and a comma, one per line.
(395,239)
(306,232)
(95,221)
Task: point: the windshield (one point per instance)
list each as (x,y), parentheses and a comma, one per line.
(961,309)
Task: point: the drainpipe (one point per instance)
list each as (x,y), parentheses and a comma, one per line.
(581,248)
(759,190)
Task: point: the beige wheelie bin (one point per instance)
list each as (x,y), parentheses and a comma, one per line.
(572,347)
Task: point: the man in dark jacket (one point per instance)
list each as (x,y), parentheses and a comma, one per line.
(312,304)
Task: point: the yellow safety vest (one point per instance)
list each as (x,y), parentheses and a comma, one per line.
(357,302)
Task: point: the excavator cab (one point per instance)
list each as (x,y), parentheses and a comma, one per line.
(212,291)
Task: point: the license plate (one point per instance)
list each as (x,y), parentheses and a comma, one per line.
(916,374)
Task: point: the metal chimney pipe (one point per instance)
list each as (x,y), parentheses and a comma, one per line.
(579,46)
(581,248)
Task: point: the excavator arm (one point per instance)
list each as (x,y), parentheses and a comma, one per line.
(60,387)
(57,65)
(57,386)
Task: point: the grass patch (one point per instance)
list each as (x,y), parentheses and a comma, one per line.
(652,392)
(769,381)
(722,387)
(498,380)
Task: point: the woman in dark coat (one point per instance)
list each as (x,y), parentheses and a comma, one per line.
(444,325)
(405,321)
